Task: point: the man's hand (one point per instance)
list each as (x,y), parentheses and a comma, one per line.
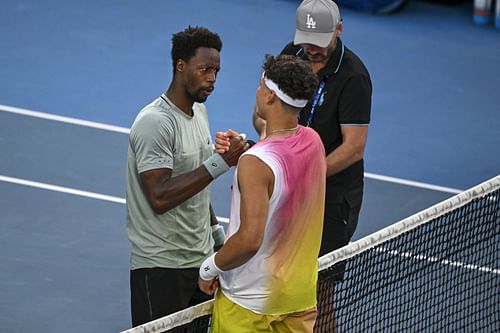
(222,140)
(208,286)
(230,145)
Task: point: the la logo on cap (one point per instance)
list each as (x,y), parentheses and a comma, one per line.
(310,23)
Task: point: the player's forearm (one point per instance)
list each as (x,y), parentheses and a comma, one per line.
(237,250)
(174,191)
(343,157)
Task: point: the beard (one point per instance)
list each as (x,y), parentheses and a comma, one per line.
(201,94)
(316,57)
(198,96)
(320,56)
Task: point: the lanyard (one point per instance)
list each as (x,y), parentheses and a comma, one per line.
(320,91)
(315,103)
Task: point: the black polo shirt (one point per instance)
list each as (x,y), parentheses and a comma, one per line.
(345,100)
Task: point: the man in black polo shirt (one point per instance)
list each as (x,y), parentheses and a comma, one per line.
(339,112)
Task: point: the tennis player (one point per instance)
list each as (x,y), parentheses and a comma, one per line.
(267,269)
(170,221)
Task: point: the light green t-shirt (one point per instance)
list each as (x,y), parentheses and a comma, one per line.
(163,136)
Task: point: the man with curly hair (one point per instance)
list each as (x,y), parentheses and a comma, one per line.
(267,269)
(170,165)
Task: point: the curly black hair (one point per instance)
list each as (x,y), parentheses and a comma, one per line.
(185,43)
(293,75)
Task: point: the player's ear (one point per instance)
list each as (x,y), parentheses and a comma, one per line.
(340,29)
(271,97)
(180,65)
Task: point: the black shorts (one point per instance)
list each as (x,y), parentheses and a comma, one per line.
(157,292)
(340,222)
(341,219)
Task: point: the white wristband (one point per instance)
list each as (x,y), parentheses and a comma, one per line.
(209,269)
(216,165)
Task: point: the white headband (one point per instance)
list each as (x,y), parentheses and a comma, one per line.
(298,103)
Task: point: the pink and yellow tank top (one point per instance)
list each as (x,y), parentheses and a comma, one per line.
(281,277)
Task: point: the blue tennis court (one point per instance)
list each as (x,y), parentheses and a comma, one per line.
(73,75)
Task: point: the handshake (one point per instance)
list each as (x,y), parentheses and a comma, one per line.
(223,141)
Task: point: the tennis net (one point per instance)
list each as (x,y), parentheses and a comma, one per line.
(435,271)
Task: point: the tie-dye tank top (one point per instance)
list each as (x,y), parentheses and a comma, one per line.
(281,277)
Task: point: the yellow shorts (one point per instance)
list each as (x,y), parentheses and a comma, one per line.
(229,317)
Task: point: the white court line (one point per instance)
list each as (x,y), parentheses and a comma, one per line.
(412,183)
(442,261)
(62,189)
(67,120)
(86,123)
(73,191)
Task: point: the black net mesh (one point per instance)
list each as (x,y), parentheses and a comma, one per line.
(442,276)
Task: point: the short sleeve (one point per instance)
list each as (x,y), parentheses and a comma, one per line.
(152,140)
(355,104)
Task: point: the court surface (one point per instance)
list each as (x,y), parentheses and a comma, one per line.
(73,75)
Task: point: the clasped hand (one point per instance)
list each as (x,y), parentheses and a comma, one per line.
(230,145)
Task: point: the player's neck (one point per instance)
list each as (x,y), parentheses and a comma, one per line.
(184,103)
(282,127)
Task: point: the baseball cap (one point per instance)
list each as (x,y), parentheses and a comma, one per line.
(316,22)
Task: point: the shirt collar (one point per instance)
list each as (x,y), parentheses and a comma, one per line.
(333,63)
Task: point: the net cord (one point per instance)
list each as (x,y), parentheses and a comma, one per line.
(175,319)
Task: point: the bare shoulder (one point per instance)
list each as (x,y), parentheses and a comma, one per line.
(252,169)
